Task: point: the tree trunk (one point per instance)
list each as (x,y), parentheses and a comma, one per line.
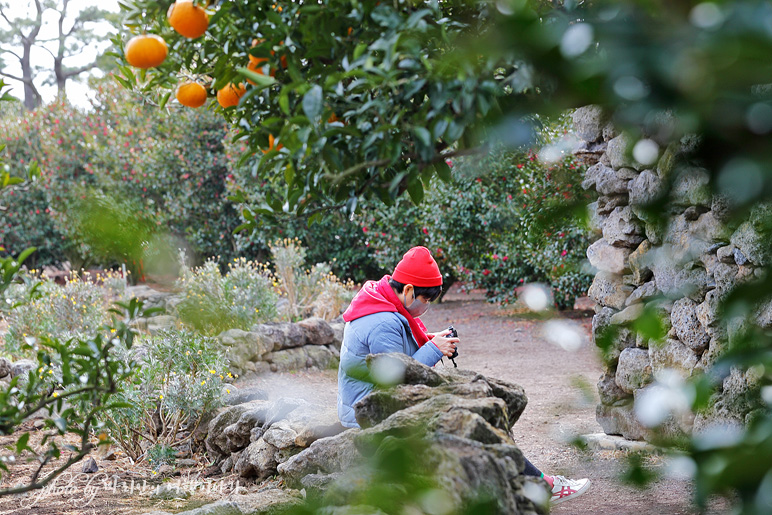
(32,98)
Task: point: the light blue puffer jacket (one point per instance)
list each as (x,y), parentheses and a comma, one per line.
(374,334)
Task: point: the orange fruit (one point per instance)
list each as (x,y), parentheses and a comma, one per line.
(229,95)
(146,51)
(187,19)
(271,146)
(191,94)
(255,63)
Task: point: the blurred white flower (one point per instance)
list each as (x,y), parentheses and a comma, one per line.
(565,334)
(668,396)
(388,371)
(680,468)
(576,40)
(646,151)
(536,493)
(536,296)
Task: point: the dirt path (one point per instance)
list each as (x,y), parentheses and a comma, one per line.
(561,404)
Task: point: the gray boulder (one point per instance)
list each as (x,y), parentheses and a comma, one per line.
(619,152)
(645,188)
(216,441)
(22,368)
(404,368)
(620,419)
(609,289)
(242,347)
(610,392)
(317,331)
(634,369)
(673,355)
(687,326)
(258,460)
(622,228)
(327,455)
(691,187)
(237,436)
(642,293)
(588,122)
(752,244)
(280,335)
(5,367)
(242,395)
(608,258)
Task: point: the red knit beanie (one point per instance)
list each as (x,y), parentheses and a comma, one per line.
(418,268)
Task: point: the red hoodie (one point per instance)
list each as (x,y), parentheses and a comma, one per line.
(379,297)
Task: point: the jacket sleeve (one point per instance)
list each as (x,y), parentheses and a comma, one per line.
(390,337)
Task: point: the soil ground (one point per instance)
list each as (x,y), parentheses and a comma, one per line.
(562,396)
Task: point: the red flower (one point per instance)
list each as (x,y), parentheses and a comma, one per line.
(426,231)
(563,254)
(495,256)
(504,258)
(486,272)
(520,166)
(364,229)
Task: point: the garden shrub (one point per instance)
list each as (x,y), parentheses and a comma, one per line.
(212,302)
(315,291)
(171,163)
(179,378)
(75,310)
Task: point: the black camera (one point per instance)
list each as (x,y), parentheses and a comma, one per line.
(453,334)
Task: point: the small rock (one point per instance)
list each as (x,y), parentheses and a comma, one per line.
(169,492)
(165,470)
(21,367)
(90,466)
(186,463)
(5,367)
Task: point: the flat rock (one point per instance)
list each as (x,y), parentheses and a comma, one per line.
(608,258)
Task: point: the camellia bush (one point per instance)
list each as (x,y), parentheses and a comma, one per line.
(506,219)
(168,167)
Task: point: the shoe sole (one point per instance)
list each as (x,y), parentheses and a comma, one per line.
(573,495)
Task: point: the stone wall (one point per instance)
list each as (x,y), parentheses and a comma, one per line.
(680,259)
(284,346)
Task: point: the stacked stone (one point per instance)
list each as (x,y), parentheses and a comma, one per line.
(683,267)
(284,346)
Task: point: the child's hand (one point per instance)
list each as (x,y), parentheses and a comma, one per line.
(446,345)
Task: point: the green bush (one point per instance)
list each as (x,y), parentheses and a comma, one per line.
(212,302)
(76,310)
(179,378)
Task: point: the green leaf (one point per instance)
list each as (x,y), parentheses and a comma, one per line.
(443,171)
(262,81)
(415,189)
(312,102)
(21,443)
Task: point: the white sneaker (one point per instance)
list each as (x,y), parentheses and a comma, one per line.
(564,489)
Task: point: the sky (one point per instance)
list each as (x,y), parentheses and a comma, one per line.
(77,90)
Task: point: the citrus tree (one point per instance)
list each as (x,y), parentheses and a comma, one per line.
(337,101)
(374,96)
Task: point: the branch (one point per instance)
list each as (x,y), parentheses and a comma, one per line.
(20,79)
(78,71)
(336,178)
